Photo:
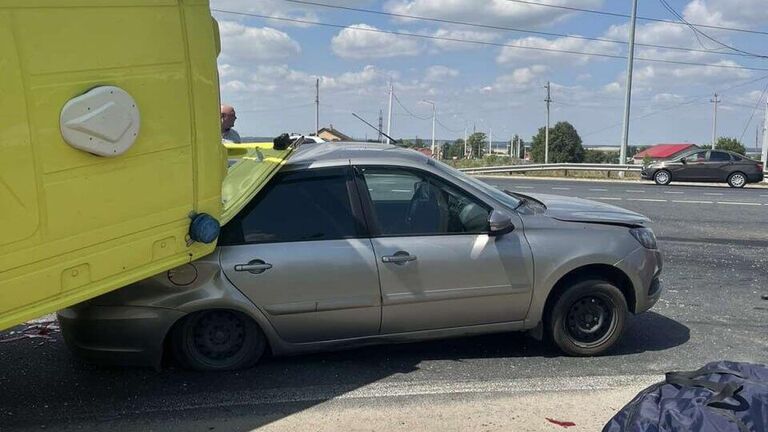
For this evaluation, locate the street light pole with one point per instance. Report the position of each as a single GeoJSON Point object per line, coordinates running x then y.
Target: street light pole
{"type": "Point", "coordinates": [548, 100]}
{"type": "Point", "coordinates": [715, 101]}
{"type": "Point", "coordinates": [628, 97]}
{"type": "Point", "coordinates": [434, 118]}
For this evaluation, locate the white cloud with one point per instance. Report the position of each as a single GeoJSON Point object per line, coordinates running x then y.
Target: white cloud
{"type": "Point", "coordinates": [489, 12]}
{"type": "Point", "coordinates": [537, 49]}
{"type": "Point", "coordinates": [359, 42]}
{"type": "Point", "coordinates": [479, 36]}
{"type": "Point", "coordinates": [520, 79]}
{"type": "Point", "coordinates": [440, 73]}
{"type": "Point", "coordinates": [727, 13]}
{"type": "Point", "coordinates": [242, 44]}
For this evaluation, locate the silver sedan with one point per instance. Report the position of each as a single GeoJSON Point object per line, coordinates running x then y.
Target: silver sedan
{"type": "Point", "coordinates": [353, 244]}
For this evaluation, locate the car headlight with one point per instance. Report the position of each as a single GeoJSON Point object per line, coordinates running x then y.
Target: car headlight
{"type": "Point", "coordinates": [645, 237]}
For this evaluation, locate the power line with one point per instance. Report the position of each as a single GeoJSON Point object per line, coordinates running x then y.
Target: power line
{"type": "Point", "coordinates": [475, 42]}
{"type": "Point", "coordinates": [754, 110]}
{"type": "Point", "coordinates": [407, 110]}
{"type": "Point", "coordinates": [511, 29]}
{"type": "Point", "coordinates": [620, 15]}
{"type": "Point", "coordinates": [697, 32]}
{"type": "Point", "coordinates": [447, 128]}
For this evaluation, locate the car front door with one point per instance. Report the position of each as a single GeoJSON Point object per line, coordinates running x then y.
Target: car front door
{"type": "Point", "coordinates": [438, 266]}
{"type": "Point", "coordinates": [718, 165]}
{"type": "Point", "coordinates": [301, 253]}
{"type": "Point", "coordinates": [694, 168]}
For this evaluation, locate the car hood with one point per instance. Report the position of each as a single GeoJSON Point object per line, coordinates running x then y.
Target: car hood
{"type": "Point", "coordinates": [581, 210]}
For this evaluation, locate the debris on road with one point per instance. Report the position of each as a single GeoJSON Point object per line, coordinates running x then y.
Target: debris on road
{"type": "Point", "coordinates": [36, 330]}
{"type": "Point", "coordinates": [565, 424]}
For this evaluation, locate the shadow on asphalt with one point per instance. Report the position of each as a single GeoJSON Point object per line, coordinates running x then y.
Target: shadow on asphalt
{"type": "Point", "coordinates": [63, 392]}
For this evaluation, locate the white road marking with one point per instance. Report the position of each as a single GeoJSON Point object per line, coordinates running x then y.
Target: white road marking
{"type": "Point", "coordinates": [738, 203]}
{"type": "Point", "coordinates": [525, 187]}
{"type": "Point", "coordinates": [646, 199]}
{"type": "Point", "coordinates": [560, 188]}
{"type": "Point", "coordinates": [764, 196]}
{"type": "Point", "coordinates": [634, 191]}
{"type": "Point", "coordinates": [693, 202]}
{"type": "Point", "coordinates": [710, 193]}
{"type": "Point", "coordinates": [598, 190]}
{"type": "Point", "coordinates": [605, 198]}
{"type": "Point", "coordinates": [674, 193]}
{"type": "Point", "coordinates": [402, 190]}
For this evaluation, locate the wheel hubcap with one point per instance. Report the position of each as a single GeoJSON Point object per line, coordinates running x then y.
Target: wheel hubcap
{"type": "Point", "coordinates": [662, 177]}
{"type": "Point", "coordinates": [219, 335]}
{"type": "Point", "coordinates": [738, 180]}
{"type": "Point", "coordinates": [590, 320]}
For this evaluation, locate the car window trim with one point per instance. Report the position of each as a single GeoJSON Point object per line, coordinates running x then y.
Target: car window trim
{"type": "Point", "coordinates": [368, 207]}
{"type": "Point", "coordinates": [362, 226]}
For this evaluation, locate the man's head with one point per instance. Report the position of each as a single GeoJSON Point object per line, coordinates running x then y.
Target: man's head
{"type": "Point", "coordinates": [228, 117]}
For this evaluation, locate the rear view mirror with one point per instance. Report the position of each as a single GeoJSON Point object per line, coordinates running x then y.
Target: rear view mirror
{"type": "Point", "coordinates": [500, 223]}
{"type": "Point", "coordinates": [683, 161]}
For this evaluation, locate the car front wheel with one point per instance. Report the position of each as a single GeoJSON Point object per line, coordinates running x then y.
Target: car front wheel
{"type": "Point", "coordinates": [217, 340]}
{"type": "Point", "coordinates": [588, 318]}
{"type": "Point", "coordinates": [662, 177]}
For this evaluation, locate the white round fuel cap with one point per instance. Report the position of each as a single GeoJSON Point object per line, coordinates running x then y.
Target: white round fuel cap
{"type": "Point", "coordinates": [104, 121]}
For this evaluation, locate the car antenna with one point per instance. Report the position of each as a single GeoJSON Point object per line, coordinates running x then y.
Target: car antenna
{"type": "Point", "coordinates": [377, 129]}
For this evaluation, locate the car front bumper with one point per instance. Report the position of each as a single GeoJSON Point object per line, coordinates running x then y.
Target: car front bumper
{"type": "Point", "coordinates": [643, 266]}
{"type": "Point", "coordinates": [123, 335]}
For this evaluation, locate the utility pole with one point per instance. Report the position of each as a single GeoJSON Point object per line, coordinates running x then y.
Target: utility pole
{"type": "Point", "coordinates": [548, 100]}
{"type": "Point", "coordinates": [465, 139]}
{"type": "Point", "coordinates": [381, 125]}
{"type": "Point", "coordinates": [389, 115]}
{"type": "Point", "coordinates": [715, 101]}
{"type": "Point", "coordinates": [765, 139]}
{"type": "Point", "coordinates": [434, 118]}
{"type": "Point", "coordinates": [628, 96]}
{"type": "Point", "coordinates": [317, 107]}
{"type": "Point", "coordinates": [490, 140]}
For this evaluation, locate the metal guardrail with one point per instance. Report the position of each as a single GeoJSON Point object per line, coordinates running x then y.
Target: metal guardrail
{"type": "Point", "coordinates": [553, 167]}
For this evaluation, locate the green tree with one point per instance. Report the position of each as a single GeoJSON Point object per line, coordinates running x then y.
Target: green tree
{"type": "Point", "coordinates": [729, 144]}
{"type": "Point", "coordinates": [454, 149]}
{"type": "Point", "coordinates": [564, 144]}
{"type": "Point", "coordinates": [478, 143]}
{"type": "Point", "coordinates": [419, 143]}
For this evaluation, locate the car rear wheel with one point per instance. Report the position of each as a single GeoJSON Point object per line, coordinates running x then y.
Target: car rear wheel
{"type": "Point", "coordinates": [588, 318]}
{"type": "Point", "coordinates": [662, 177]}
{"type": "Point", "coordinates": [737, 180]}
{"type": "Point", "coordinates": [217, 340]}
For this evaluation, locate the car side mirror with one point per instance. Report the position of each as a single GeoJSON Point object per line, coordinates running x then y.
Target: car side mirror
{"type": "Point", "coordinates": [500, 223]}
{"type": "Point", "coordinates": [683, 161]}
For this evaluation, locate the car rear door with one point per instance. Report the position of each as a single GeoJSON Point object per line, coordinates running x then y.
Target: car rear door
{"type": "Point", "coordinates": [300, 252]}
{"type": "Point", "coordinates": [718, 165]}
{"type": "Point", "coordinates": [438, 266]}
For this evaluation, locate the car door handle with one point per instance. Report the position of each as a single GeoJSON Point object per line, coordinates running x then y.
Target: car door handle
{"type": "Point", "coordinates": [398, 258]}
{"type": "Point", "coordinates": [255, 267]}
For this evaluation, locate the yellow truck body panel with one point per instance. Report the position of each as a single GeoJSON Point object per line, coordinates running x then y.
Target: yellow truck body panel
{"type": "Point", "coordinates": [74, 225]}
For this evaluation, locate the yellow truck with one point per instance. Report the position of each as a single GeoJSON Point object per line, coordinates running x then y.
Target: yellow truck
{"type": "Point", "coordinates": [110, 147]}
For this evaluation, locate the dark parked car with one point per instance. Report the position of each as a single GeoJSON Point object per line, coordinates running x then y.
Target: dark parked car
{"type": "Point", "coordinates": [706, 166]}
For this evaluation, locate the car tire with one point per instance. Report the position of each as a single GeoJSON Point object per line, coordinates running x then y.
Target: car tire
{"type": "Point", "coordinates": [217, 340]}
{"type": "Point", "coordinates": [662, 177]}
{"type": "Point", "coordinates": [737, 180]}
{"type": "Point", "coordinates": [588, 318]}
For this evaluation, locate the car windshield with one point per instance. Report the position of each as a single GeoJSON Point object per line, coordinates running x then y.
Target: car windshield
{"type": "Point", "coordinates": [497, 194]}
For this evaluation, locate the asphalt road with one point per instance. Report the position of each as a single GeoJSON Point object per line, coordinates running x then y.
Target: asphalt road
{"type": "Point", "coordinates": [716, 268]}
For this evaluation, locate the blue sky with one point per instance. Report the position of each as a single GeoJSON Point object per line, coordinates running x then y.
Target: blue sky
{"type": "Point", "coordinates": [268, 68]}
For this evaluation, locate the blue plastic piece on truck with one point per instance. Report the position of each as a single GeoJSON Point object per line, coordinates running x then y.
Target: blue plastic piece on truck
{"type": "Point", "coordinates": [204, 228]}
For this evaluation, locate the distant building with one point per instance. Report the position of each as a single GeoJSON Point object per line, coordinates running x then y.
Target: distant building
{"type": "Point", "coordinates": [663, 152]}
{"type": "Point", "coordinates": [331, 134]}
{"type": "Point", "coordinates": [424, 150]}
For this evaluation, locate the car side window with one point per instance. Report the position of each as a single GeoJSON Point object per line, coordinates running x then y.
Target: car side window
{"type": "Point", "coordinates": [407, 202]}
{"type": "Point", "coordinates": [298, 206]}
{"type": "Point", "coordinates": [696, 157]}
{"type": "Point", "coordinates": [718, 156]}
